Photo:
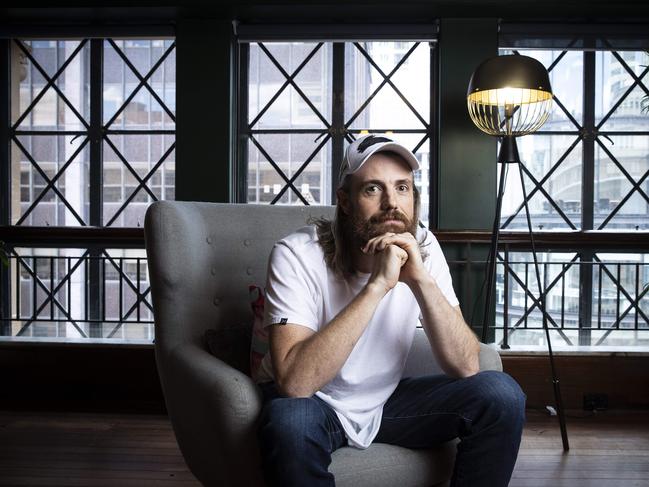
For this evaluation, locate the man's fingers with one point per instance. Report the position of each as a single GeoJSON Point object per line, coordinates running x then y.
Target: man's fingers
{"type": "Point", "coordinates": [379, 243]}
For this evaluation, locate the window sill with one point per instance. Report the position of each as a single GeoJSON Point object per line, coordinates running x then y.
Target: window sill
{"type": "Point", "coordinates": [575, 351]}
{"type": "Point", "coordinates": [74, 343]}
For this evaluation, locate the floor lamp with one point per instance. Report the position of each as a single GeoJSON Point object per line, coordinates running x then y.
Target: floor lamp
{"type": "Point", "coordinates": [510, 96]}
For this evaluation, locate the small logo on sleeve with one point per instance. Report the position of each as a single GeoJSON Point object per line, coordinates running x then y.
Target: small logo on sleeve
{"type": "Point", "coordinates": [283, 321]}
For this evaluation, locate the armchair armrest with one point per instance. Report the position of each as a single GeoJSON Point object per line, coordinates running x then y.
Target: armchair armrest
{"type": "Point", "coordinates": [214, 409]}
{"type": "Point", "coordinates": [490, 358]}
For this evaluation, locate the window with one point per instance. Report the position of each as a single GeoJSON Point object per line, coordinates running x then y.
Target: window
{"type": "Point", "coordinates": [586, 169]}
{"type": "Point", "coordinates": [305, 101]}
{"type": "Point", "coordinates": [92, 141]}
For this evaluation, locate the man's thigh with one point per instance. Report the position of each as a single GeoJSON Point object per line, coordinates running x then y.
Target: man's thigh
{"type": "Point", "coordinates": [426, 411]}
{"type": "Point", "coordinates": [295, 420]}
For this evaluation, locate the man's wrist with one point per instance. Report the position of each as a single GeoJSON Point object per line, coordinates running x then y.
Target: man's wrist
{"type": "Point", "coordinates": [424, 284]}
{"type": "Point", "coordinates": [422, 281]}
{"type": "Point", "coordinates": [376, 289]}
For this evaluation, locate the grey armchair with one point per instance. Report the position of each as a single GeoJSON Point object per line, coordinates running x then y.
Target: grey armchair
{"type": "Point", "coordinates": [202, 257]}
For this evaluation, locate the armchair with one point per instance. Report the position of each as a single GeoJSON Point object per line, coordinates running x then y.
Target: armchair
{"type": "Point", "coordinates": [202, 257]}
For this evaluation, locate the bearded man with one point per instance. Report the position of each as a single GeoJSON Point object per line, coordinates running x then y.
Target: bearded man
{"type": "Point", "coordinates": [343, 300]}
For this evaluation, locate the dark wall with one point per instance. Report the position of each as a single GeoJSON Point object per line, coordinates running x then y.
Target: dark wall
{"type": "Point", "coordinates": [203, 93]}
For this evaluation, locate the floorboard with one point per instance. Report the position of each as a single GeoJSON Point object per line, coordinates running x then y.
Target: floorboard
{"type": "Point", "coordinates": [607, 449]}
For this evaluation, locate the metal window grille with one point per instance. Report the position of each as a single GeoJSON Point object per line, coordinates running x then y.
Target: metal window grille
{"type": "Point", "coordinates": [303, 101]}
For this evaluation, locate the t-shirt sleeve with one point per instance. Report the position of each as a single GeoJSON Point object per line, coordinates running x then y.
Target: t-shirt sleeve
{"type": "Point", "coordinates": [438, 268]}
{"type": "Point", "coordinates": [290, 296]}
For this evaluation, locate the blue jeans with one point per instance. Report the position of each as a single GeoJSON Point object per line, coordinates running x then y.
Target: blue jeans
{"type": "Point", "coordinates": [486, 411]}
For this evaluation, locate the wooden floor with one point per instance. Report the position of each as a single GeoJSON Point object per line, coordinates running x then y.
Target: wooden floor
{"type": "Point", "coordinates": [65, 449]}
{"type": "Point", "coordinates": [607, 449]}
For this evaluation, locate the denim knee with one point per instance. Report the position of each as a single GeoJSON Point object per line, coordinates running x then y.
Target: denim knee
{"type": "Point", "coordinates": [499, 391]}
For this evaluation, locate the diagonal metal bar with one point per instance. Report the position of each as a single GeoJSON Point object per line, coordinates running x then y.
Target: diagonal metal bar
{"type": "Point", "coordinates": [566, 112]}
{"type": "Point", "coordinates": [301, 168]}
{"type": "Point", "coordinates": [140, 185]}
{"type": "Point", "coordinates": [143, 81]}
{"type": "Point", "coordinates": [636, 185]}
{"type": "Point", "coordinates": [549, 287]}
{"type": "Point", "coordinates": [621, 203]}
{"type": "Point", "coordinates": [277, 168]}
{"type": "Point", "coordinates": [544, 179]}
{"type": "Point", "coordinates": [50, 183]}
{"type": "Point", "coordinates": [389, 80]}
{"type": "Point", "coordinates": [140, 299]}
{"type": "Point", "coordinates": [535, 302]}
{"type": "Point", "coordinates": [286, 84]}
{"type": "Point", "coordinates": [115, 329]}
{"type": "Point", "coordinates": [556, 61]}
{"type": "Point", "coordinates": [51, 81]}
{"type": "Point", "coordinates": [290, 79]}
{"type": "Point", "coordinates": [378, 88]}
{"type": "Point", "coordinates": [51, 296]}
{"type": "Point", "coordinates": [615, 325]}
{"type": "Point", "coordinates": [630, 71]}
{"type": "Point", "coordinates": [522, 320]}
{"type": "Point", "coordinates": [620, 100]}
{"type": "Point", "coordinates": [618, 284]}
{"type": "Point", "coordinates": [128, 166]}
{"type": "Point", "coordinates": [421, 142]}
{"type": "Point", "coordinates": [547, 195]}
{"type": "Point", "coordinates": [125, 277]}
{"type": "Point", "coordinates": [559, 57]}
{"type": "Point", "coordinates": [123, 320]}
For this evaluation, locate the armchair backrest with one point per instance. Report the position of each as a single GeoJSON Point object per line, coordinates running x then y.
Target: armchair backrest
{"type": "Point", "coordinates": [203, 256]}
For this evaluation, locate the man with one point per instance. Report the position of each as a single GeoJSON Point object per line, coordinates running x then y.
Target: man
{"type": "Point", "coordinates": [343, 301]}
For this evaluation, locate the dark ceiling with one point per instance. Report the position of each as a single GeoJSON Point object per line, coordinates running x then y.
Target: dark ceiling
{"type": "Point", "coordinates": [335, 11]}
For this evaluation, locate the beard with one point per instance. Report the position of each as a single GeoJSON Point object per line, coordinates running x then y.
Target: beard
{"type": "Point", "coordinates": [379, 223]}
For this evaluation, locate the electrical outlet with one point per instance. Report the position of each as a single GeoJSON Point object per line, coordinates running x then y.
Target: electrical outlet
{"type": "Point", "coordinates": [595, 402]}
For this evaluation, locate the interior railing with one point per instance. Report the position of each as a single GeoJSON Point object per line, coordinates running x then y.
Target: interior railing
{"type": "Point", "coordinates": [92, 283]}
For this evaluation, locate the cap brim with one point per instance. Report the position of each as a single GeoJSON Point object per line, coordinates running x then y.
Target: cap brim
{"type": "Point", "coordinates": [397, 148]}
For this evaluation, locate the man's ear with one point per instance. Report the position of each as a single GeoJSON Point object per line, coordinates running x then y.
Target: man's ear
{"type": "Point", "coordinates": [343, 200]}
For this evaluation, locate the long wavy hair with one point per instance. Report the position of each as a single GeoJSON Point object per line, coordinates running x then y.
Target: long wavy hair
{"type": "Point", "coordinates": [336, 237]}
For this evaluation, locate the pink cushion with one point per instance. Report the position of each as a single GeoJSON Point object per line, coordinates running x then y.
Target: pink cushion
{"type": "Point", "coordinates": [259, 342]}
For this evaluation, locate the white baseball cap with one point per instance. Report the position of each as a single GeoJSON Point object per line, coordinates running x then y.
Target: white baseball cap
{"type": "Point", "coordinates": [364, 147]}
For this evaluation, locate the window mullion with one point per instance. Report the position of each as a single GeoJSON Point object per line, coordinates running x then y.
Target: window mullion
{"type": "Point", "coordinates": [5, 177]}
{"type": "Point", "coordinates": [587, 197]}
{"type": "Point", "coordinates": [433, 141]}
{"type": "Point", "coordinates": [95, 194]}
{"type": "Point", "coordinates": [96, 131]}
{"type": "Point", "coordinates": [337, 115]}
{"type": "Point", "coordinates": [588, 169]}
{"type": "Point", "coordinates": [239, 178]}
{"type": "Point", "coordinates": [5, 131]}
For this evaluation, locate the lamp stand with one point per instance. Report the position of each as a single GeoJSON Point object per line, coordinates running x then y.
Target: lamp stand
{"type": "Point", "coordinates": [509, 155]}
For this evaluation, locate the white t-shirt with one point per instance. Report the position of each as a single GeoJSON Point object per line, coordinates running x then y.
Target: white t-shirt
{"type": "Point", "coordinates": [302, 290]}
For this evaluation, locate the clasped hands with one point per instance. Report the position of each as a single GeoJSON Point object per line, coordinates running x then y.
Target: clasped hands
{"type": "Point", "coordinates": [396, 259]}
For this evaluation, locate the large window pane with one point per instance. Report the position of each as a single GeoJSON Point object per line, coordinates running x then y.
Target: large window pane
{"type": "Point", "coordinates": [290, 112]}
{"type": "Point", "coordinates": [621, 163]}
{"type": "Point", "coordinates": [554, 159]}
